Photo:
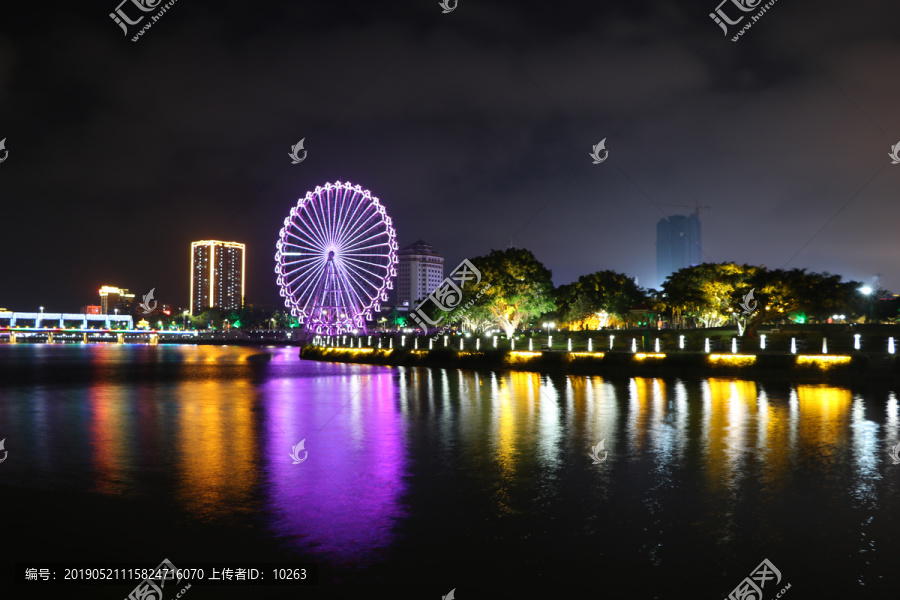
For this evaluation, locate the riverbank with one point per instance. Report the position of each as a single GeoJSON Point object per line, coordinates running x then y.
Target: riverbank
{"type": "Point", "coordinates": [801, 367]}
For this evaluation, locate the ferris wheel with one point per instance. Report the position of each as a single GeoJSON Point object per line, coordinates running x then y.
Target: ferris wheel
{"type": "Point", "coordinates": [335, 259]}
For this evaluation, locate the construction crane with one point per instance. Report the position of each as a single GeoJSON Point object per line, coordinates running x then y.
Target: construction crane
{"type": "Point", "coordinates": [696, 207]}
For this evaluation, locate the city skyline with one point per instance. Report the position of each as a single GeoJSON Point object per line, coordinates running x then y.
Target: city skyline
{"type": "Point", "coordinates": [490, 148]}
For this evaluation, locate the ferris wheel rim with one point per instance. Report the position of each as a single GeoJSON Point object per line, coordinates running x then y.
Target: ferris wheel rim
{"type": "Point", "coordinates": [346, 227]}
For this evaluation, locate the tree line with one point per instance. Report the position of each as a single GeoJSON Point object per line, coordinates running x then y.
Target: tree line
{"type": "Point", "coordinates": [522, 295]}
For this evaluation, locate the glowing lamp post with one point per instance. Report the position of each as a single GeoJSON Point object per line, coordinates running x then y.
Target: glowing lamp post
{"type": "Point", "coordinates": [633, 345]}
{"type": "Point", "coordinates": [681, 342]}
{"type": "Point", "coordinates": [570, 344]}
{"type": "Point", "coordinates": [824, 345]}
{"type": "Point", "coordinates": [611, 338]}
{"type": "Point", "coordinates": [865, 291]}
{"type": "Point", "coordinates": [762, 342]}
{"type": "Point", "coordinates": [793, 345]}
{"type": "Point", "coordinates": [656, 346]}
{"type": "Point", "coordinates": [706, 346]}
{"type": "Point", "coordinates": [590, 345]}
{"type": "Point", "coordinates": [856, 338]}
{"type": "Point", "coordinates": [890, 345]}
{"type": "Point", "coordinates": [734, 345]}
{"type": "Point", "coordinates": [530, 346]}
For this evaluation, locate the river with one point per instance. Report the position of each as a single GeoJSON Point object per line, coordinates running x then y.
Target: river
{"type": "Point", "coordinates": [412, 482]}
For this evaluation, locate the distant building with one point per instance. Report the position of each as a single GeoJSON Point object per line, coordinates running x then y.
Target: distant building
{"type": "Point", "coordinates": [114, 299]}
{"type": "Point", "coordinates": [677, 245]}
{"type": "Point", "coordinates": [217, 275]}
{"type": "Point", "coordinates": [420, 270]}
{"type": "Point", "coordinates": [92, 309]}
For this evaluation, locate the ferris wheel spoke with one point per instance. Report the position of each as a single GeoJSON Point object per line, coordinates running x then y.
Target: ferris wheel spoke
{"type": "Point", "coordinates": [367, 267]}
{"type": "Point", "coordinates": [322, 220]}
{"type": "Point", "coordinates": [299, 278]}
{"type": "Point", "coordinates": [341, 220]}
{"type": "Point", "coordinates": [300, 247]}
{"type": "Point", "coordinates": [364, 236]}
{"type": "Point", "coordinates": [306, 220]}
{"type": "Point", "coordinates": [365, 279]}
{"type": "Point", "coordinates": [316, 224]}
{"type": "Point", "coordinates": [356, 212]}
{"type": "Point", "coordinates": [337, 213]}
{"type": "Point", "coordinates": [362, 251]}
{"type": "Point", "coordinates": [354, 295]}
{"type": "Point", "coordinates": [309, 276]}
{"type": "Point", "coordinates": [310, 235]}
{"type": "Point", "coordinates": [365, 285]}
{"type": "Point", "coordinates": [371, 231]}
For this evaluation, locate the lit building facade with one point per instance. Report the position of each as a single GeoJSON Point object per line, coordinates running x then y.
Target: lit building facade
{"type": "Point", "coordinates": [217, 275]}
{"type": "Point", "coordinates": [420, 270]}
{"type": "Point", "coordinates": [113, 298]}
{"type": "Point", "coordinates": [677, 245]}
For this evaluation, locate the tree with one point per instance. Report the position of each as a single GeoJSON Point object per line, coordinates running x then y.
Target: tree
{"type": "Point", "coordinates": [595, 299]}
{"type": "Point", "coordinates": [705, 292]}
{"type": "Point", "coordinates": [521, 288]}
{"type": "Point", "coordinates": [778, 293]}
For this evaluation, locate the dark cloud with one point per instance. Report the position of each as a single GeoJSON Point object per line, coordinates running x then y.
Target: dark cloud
{"type": "Point", "coordinates": [472, 128]}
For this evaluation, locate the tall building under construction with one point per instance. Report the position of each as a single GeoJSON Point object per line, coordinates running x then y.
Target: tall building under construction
{"type": "Point", "coordinates": [677, 245]}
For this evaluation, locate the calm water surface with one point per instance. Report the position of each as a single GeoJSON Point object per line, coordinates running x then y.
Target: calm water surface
{"type": "Point", "coordinates": [418, 481]}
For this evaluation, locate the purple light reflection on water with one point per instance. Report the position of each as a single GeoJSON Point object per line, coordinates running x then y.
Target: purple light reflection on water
{"type": "Point", "coordinates": [344, 499]}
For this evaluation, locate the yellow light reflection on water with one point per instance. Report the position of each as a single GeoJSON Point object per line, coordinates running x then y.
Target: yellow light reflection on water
{"type": "Point", "coordinates": [824, 417]}
{"type": "Point", "coordinates": [108, 430]}
{"type": "Point", "coordinates": [217, 456]}
{"type": "Point", "coordinates": [646, 410]}
{"type": "Point", "coordinates": [728, 407]}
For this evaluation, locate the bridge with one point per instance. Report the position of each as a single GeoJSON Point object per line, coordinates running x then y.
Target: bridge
{"type": "Point", "coordinates": [61, 318]}
{"type": "Point", "coordinates": [14, 331]}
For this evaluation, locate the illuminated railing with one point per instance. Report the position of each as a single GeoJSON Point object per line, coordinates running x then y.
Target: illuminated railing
{"type": "Point", "coordinates": [735, 360]}
{"type": "Point", "coordinates": [646, 355]}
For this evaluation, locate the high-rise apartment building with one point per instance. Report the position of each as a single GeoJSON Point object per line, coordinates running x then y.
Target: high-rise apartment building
{"type": "Point", "coordinates": [114, 299]}
{"type": "Point", "coordinates": [217, 275]}
{"type": "Point", "coordinates": [419, 271]}
{"type": "Point", "coordinates": [677, 245]}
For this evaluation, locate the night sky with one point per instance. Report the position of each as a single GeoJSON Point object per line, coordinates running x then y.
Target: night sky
{"type": "Point", "coordinates": [473, 128]}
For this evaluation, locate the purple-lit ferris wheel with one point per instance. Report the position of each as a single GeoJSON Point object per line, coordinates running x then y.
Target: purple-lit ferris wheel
{"type": "Point", "coordinates": [335, 259]}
